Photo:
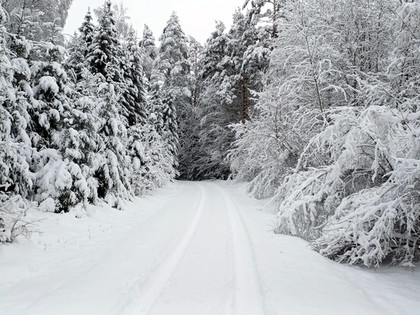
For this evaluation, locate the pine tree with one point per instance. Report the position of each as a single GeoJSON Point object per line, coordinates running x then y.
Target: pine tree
{"type": "Point", "coordinates": [104, 53]}
{"type": "Point", "coordinates": [15, 177]}
{"type": "Point", "coordinates": [16, 180]}
{"type": "Point", "coordinates": [215, 109]}
{"type": "Point", "coordinates": [112, 169]}
{"type": "Point", "coordinates": [173, 63]}
{"type": "Point", "coordinates": [134, 96]}
{"type": "Point", "coordinates": [78, 48]}
{"type": "Point", "coordinates": [148, 51]}
{"type": "Point", "coordinates": [266, 12]}
{"type": "Point", "coordinates": [190, 144]}
{"type": "Point", "coordinates": [107, 64]}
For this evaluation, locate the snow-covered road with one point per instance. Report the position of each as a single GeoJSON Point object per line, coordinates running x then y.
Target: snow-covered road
{"type": "Point", "coordinates": [191, 248]}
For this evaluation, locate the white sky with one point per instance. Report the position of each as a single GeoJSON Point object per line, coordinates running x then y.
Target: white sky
{"type": "Point", "coordinates": [197, 17]}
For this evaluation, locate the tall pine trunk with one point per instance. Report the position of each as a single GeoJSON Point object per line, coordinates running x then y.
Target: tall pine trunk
{"type": "Point", "coordinates": [245, 99]}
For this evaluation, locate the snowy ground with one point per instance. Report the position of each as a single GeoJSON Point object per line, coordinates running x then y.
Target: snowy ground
{"type": "Point", "coordinates": [190, 248]}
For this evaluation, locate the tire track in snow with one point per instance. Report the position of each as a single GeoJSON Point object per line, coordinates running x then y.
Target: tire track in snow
{"type": "Point", "coordinates": [248, 296]}
{"type": "Point", "coordinates": [164, 272]}
{"type": "Point", "coordinates": [42, 297]}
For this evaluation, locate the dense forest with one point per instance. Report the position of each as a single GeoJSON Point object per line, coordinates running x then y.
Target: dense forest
{"type": "Point", "coordinates": [315, 103]}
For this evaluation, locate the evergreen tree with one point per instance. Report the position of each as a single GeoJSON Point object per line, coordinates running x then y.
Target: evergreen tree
{"type": "Point", "coordinates": [104, 53]}
{"type": "Point", "coordinates": [148, 51]}
{"type": "Point", "coordinates": [78, 48]}
{"type": "Point", "coordinates": [16, 180]}
{"type": "Point", "coordinates": [134, 96]}
{"type": "Point", "coordinates": [216, 108]}
{"type": "Point", "coordinates": [190, 143]}
{"type": "Point", "coordinates": [113, 167]}
{"type": "Point", "coordinates": [15, 177]}
{"type": "Point", "coordinates": [267, 12]}
{"type": "Point", "coordinates": [173, 63]}
{"type": "Point", "coordinates": [111, 72]}
{"type": "Point", "coordinates": [233, 66]}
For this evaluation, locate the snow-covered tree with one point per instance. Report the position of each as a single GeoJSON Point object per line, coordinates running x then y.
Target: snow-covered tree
{"type": "Point", "coordinates": [267, 12]}
{"type": "Point", "coordinates": [105, 53]}
{"type": "Point", "coordinates": [173, 64]}
{"type": "Point", "coordinates": [233, 65]}
{"type": "Point", "coordinates": [148, 51]}
{"type": "Point", "coordinates": [78, 48]}
{"type": "Point", "coordinates": [333, 137]}
{"type": "Point", "coordinates": [34, 19]}
{"type": "Point", "coordinates": [16, 180]}
{"type": "Point", "coordinates": [112, 170]}
{"type": "Point", "coordinates": [122, 20]}
{"type": "Point", "coordinates": [216, 109]}
{"type": "Point", "coordinates": [135, 85]}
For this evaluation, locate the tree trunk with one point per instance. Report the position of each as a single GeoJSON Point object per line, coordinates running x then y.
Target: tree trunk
{"type": "Point", "coordinates": [245, 100]}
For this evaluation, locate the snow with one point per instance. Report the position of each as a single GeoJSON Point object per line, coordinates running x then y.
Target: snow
{"type": "Point", "coordinates": [48, 83]}
{"type": "Point", "coordinates": [189, 248]}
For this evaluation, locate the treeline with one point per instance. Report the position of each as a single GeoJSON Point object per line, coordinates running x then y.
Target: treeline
{"type": "Point", "coordinates": [109, 117]}
{"type": "Point", "coordinates": [81, 125]}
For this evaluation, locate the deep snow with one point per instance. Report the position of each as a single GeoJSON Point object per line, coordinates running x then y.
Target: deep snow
{"type": "Point", "coordinates": [190, 248]}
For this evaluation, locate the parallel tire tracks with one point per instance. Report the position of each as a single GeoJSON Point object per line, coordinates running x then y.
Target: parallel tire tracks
{"type": "Point", "coordinates": [248, 296]}
{"type": "Point", "coordinates": [164, 272]}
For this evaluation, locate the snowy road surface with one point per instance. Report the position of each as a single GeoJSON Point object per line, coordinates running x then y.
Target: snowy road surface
{"type": "Point", "coordinates": [190, 248]}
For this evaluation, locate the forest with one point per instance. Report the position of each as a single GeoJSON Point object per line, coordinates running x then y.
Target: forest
{"type": "Point", "coordinates": [314, 103]}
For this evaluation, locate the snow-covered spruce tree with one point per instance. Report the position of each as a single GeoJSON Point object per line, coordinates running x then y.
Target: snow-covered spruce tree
{"type": "Point", "coordinates": [195, 53]}
{"type": "Point", "coordinates": [173, 63]}
{"type": "Point", "coordinates": [249, 56]}
{"type": "Point", "coordinates": [161, 153]}
{"type": "Point", "coordinates": [134, 82]}
{"type": "Point", "coordinates": [233, 65]}
{"type": "Point", "coordinates": [113, 166]}
{"type": "Point", "coordinates": [267, 12]}
{"type": "Point", "coordinates": [56, 160]}
{"type": "Point", "coordinates": [78, 48]}
{"type": "Point", "coordinates": [148, 51]}
{"type": "Point", "coordinates": [160, 165]}
{"type": "Point", "coordinates": [20, 109]}
{"type": "Point", "coordinates": [135, 102]}
{"type": "Point", "coordinates": [215, 108]}
{"type": "Point", "coordinates": [191, 122]}
{"type": "Point", "coordinates": [120, 17]}
{"type": "Point", "coordinates": [15, 178]}
{"type": "Point", "coordinates": [104, 54]}
{"type": "Point", "coordinates": [105, 59]}
{"type": "Point", "coordinates": [85, 99]}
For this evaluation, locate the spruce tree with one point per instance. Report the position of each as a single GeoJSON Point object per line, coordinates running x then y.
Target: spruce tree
{"type": "Point", "coordinates": [217, 107]}
{"type": "Point", "coordinates": [106, 62]}
{"type": "Point", "coordinates": [78, 48]}
{"type": "Point", "coordinates": [15, 177]}
{"type": "Point", "coordinates": [104, 53]}
{"type": "Point", "coordinates": [134, 94]}
{"type": "Point", "coordinates": [173, 63]}
{"type": "Point", "coordinates": [148, 51]}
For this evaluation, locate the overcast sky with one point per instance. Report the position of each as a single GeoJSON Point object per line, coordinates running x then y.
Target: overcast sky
{"type": "Point", "coordinates": [197, 16]}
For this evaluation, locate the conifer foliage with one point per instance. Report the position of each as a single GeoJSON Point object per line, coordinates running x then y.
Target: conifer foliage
{"type": "Point", "coordinates": [77, 126]}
